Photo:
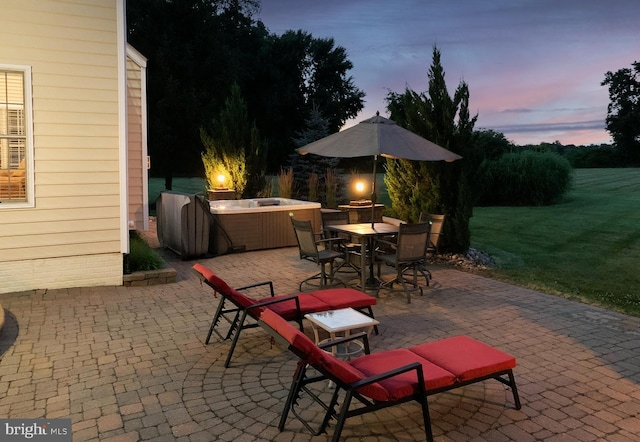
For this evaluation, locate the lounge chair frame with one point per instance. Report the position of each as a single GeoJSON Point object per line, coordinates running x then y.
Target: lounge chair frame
{"type": "Point", "coordinates": [235, 307]}
{"type": "Point", "coordinates": [297, 343]}
{"type": "Point", "coordinates": [301, 380]}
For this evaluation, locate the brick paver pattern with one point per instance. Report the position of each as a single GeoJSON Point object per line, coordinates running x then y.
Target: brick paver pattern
{"type": "Point", "coordinates": [130, 364]}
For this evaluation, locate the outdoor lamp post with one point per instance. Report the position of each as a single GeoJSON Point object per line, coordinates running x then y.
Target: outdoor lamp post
{"type": "Point", "coordinates": [221, 179]}
{"type": "Point", "coordinates": [220, 191]}
{"type": "Point", "coordinates": [359, 187]}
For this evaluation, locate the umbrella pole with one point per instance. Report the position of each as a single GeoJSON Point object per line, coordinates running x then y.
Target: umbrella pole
{"type": "Point", "coordinates": [373, 192]}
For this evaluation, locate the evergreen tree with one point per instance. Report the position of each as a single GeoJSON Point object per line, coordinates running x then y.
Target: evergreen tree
{"type": "Point", "coordinates": [420, 187]}
{"type": "Point", "coordinates": [316, 127]}
{"type": "Point", "coordinates": [234, 149]}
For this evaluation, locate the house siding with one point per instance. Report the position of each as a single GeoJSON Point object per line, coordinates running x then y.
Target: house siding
{"type": "Point", "coordinates": [72, 237]}
{"type": "Point", "coordinates": [138, 204]}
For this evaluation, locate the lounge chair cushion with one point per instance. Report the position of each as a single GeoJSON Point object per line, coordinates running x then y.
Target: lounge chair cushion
{"type": "Point", "coordinates": [218, 284]}
{"type": "Point", "coordinates": [222, 287]}
{"type": "Point", "coordinates": [309, 352]}
{"type": "Point", "coordinates": [304, 347]}
{"type": "Point", "coordinates": [465, 357]}
{"type": "Point", "coordinates": [348, 374]}
{"type": "Point", "coordinates": [405, 384]}
{"type": "Point", "coordinates": [295, 337]}
{"type": "Point", "coordinates": [287, 309]}
{"type": "Point", "coordinates": [344, 298]}
{"type": "Point", "coordinates": [319, 301]}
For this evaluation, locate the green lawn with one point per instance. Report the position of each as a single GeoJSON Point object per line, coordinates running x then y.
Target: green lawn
{"type": "Point", "coordinates": [186, 185]}
{"type": "Point", "coordinates": [587, 247]}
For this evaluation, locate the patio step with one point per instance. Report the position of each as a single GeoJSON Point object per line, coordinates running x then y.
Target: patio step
{"type": "Point", "coordinates": [150, 277]}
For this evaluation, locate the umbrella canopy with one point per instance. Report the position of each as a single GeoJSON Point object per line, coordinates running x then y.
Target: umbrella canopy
{"type": "Point", "coordinates": [378, 136]}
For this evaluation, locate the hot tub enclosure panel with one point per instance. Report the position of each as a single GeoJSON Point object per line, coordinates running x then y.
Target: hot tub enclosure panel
{"type": "Point", "coordinates": [183, 223]}
{"type": "Point", "coordinates": [260, 230]}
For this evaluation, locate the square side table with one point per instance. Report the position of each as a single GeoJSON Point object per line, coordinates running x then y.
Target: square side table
{"type": "Point", "coordinates": [340, 323]}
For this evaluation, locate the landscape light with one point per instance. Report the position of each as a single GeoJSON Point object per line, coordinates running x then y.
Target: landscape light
{"type": "Point", "coordinates": [221, 179]}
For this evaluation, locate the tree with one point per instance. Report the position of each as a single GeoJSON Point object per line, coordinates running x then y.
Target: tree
{"type": "Point", "coordinates": [297, 74]}
{"type": "Point", "coordinates": [316, 127]}
{"type": "Point", "coordinates": [303, 166]}
{"type": "Point", "coordinates": [197, 49]}
{"type": "Point", "coordinates": [623, 116]}
{"type": "Point", "coordinates": [234, 150]}
{"type": "Point", "coordinates": [490, 144]}
{"type": "Point", "coordinates": [417, 187]}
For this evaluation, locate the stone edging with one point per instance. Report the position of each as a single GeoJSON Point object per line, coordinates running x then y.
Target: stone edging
{"type": "Point", "coordinates": [150, 277]}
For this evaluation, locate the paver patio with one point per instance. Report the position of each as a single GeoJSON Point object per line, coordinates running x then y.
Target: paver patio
{"type": "Point", "coordinates": [128, 364]}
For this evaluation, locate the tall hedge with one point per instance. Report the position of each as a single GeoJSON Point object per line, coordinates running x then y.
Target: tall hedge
{"type": "Point", "coordinates": [525, 178]}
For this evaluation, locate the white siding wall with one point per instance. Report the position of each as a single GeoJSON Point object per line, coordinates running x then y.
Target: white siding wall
{"type": "Point", "coordinates": [72, 236]}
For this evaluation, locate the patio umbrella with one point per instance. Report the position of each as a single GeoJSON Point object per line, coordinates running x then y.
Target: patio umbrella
{"type": "Point", "coordinates": [378, 136]}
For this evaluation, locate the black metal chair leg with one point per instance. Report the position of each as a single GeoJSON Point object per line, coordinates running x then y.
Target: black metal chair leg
{"type": "Point", "coordinates": [426, 417]}
{"type": "Point", "coordinates": [296, 387]}
{"type": "Point", "coordinates": [216, 319]}
{"type": "Point", "coordinates": [235, 338]}
{"type": "Point", "coordinates": [514, 390]}
{"type": "Point", "coordinates": [342, 417]}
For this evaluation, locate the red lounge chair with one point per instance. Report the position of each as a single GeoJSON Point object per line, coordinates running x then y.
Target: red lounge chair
{"type": "Point", "coordinates": [387, 378]}
{"type": "Point", "coordinates": [291, 307]}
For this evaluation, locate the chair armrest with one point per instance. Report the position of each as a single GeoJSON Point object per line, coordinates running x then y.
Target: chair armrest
{"type": "Point", "coordinates": [258, 284]}
{"type": "Point", "coordinates": [329, 240]}
{"type": "Point", "coordinates": [386, 243]}
{"type": "Point", "coordinates": [417, 366]}
{"type": "Point", "coordinates": [384, 247]}
{"type": "Point", "coordinates": [268, 301]}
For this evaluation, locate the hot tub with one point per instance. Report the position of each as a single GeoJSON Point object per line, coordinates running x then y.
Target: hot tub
{"type": "Point", "coordinates": [259, 223]}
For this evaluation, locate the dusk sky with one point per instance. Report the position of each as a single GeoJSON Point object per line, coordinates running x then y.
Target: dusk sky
{"type": "Point", "coordinates": [533, 67]}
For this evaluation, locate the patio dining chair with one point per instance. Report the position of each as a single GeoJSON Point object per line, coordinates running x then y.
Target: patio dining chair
{"type": "Point", "coordinates": [333, 218]}
{"type": "Point", "coordinates": [310, 250]}
{"type": "Point", "coordinates": [344, 243]}
{"type": "Point", "coordinates": [410, 250]}
{"type": "Point", "coordinates": [436, 222]}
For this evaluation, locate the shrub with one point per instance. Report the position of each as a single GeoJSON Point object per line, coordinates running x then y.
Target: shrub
{"type": "Point", "coordinates": [313, 183]}
{"type": "Point", "coordinates": [141, 256]}
{"type": "Point", "coordinates": [524, 178]}
{"type": "Point", "coordinates": [267, 190]}
{"type": "Point", "coordinates": [331, 181]}
{"type": "Point", "coordinates": [285, 183]}
{"type": "Point", "coordinates": [592, 156]}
